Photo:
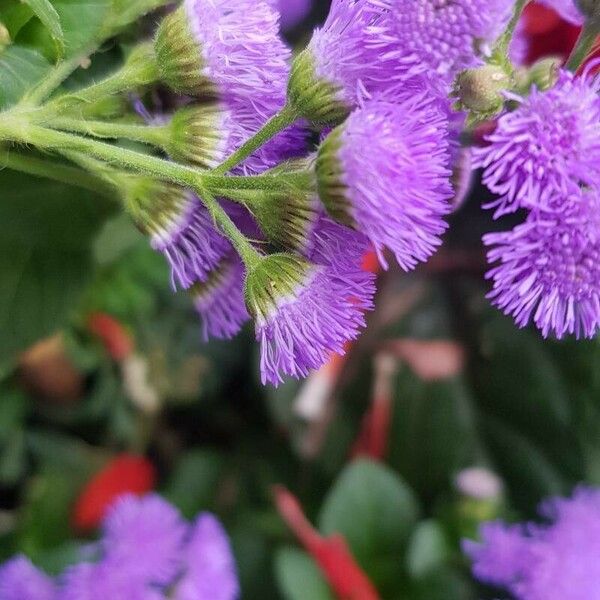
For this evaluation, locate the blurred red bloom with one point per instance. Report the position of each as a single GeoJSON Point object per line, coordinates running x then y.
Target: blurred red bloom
{"type": "Point", "coordinates": [113, 335]}
{"type": "Point", "coordinates": [126, 473]}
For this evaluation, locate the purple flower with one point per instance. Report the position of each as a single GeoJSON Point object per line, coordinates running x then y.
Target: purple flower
{"type": "Point", "coordinates": [384, 171]}
{"type": "Point", "coordinates": [303, 314]}
{"type": "Point", "coordinates": [292, 11]}
{"type": "Point", "coordinates": [446, 37]}
{"type": "Point", "coordinates": [543, 151]}
{"type": "Point", "coordinates": [20, 580]}
{"type": "Point", "coordinates": [211, 571]}
{"type": "Point", "coordinates": [567, 9]}
{"type": "Point", "coordinates": [105, 580]}
{"type": "Point", "coordinates": [150, 523]}
{"type": "Point", "coordinates": [555, 561]}
{"type": "Point", "coordinates": [346, 60]}
{"type": "Point", "coordinates": [342, 250]}
{"type": "Point", "coordinates": [183, 230]}
{"type": "Point", "coordinates": [220, 300]}
{"type": "Point", "coordinates": [549, 270]}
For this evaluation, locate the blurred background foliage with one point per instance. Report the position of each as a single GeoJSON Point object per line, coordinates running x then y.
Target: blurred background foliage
{"type": "Point", "coordinates": [99, 360]}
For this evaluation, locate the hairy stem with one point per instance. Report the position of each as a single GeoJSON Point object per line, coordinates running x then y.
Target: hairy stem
{"type": "Point", "coordinates": [584, 44]}
{"type": "Point", "coordinates": [503, 43]}
{"type": "Point", "coordinates": [48, 169]}
{"type": "Point", "coordinates": [152, 135]}
{"type": "Point", "coordinates": [284, 118]}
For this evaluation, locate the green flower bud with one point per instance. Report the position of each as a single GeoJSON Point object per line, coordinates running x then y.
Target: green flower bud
{"type": "Point", "coordinates": [543, 74]}
{"type": "Point", "coordinates": [479, 90]}
{"type": "Point", "coordinates": [313, 98]}
{"type": "Point", "coordinates": [4, 36]}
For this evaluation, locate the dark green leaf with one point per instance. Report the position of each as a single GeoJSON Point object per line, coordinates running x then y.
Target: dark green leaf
{"type": "Point", "coordinates": [47, 14]}
{"type": "Point", "coordinates": [20, 68]}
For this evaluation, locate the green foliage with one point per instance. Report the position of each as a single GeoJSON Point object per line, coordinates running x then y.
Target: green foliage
{"type": "Point", "coordinates": [298, 577]}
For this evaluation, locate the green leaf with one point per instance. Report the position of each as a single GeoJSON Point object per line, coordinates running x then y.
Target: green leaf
{"type": "Point", "coordinates": [298, 577]}
{"type": "Point", "coordinates": [428, 549]}
{"type": "Point", "coordinates": [375, 511]}
{"type": "Point", "coordinates": [46, 231]}
{"type": "Point", "coordinates": [20, 68]}
{"type": "Point", "coordinates": [14, 14]}
{"type": "Point", "coordinates": [47, 14]}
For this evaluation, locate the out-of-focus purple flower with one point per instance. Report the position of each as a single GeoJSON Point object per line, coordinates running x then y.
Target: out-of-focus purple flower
{"type": "Point", "coordinates": [548, 270]}
{"type": "Point", "coordinates": [185, 233]}
{"type": "Point", "coordinates": [479, 483]}
{"type": "Point", "coordinates": [342, 250]}
{"type": "Point", "coordinates": [210, 566]}
{"type": "Point", "coordinates": [555, 561]}
{"type": "Point", "coordinates": [303, 314]}
{"type": "Point", "coordinates": [567, 9]}
{"type": "Point", "coordinates": [542, 152]}
{"type": "Point", "coordinates": [347, 60]}
{"type": "Point", "coordinates": [392, 185]}
{"type": "Point", "coordinates": [292, 11]}
{"type": "Point", "coordinates": [20, 580]}
{"type": "Point", "coordinates": [220, 300]}
{"type": "Point", "coordinates": [104, 580]}
{"type": "Point", "coordinates": [445, 36]}
{"type": "Point", "coordinates": [149, 523]}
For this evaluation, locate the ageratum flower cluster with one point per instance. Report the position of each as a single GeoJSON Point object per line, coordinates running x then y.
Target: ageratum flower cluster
{"type": "Point", "coordinates": [376, 79]}
{"type": "Point", "coordinates": [553, 561]}
{"type": "Point", "coordinates": [147, 552]}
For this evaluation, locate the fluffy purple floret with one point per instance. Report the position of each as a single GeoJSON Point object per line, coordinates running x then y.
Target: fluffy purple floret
{"type": "Point", "coordinates": [342, 250]}
{"type": "Point", "coordinates": [446, 35]}
{"type": "Point", "coordinates": [351, 52]}
{"type": "Point", "coordinates": [548, 270]}
{"type": "Point", "coordinates": [211, 571]}
{"type": "Point", "coordinates": [303, 330]}
{"type": "Point", "coordinates": [555, 561]}
{"type": "Point", "coordinates": [190, 242]}
{"type": "Point", "coordinates": [105, 580]}
{"type": "Point", "coordinates": [543, 151]}
{"type": "Point", "coordinates": [220, 301]}
{"type": "Point", "coordinates": [397, 181]}
{"type": "Point", "coordinates": [20, 580]}
{"type": "Point", "coordinates": [567, 9]}
{"type": "Point", "coordinates": [149, 523]}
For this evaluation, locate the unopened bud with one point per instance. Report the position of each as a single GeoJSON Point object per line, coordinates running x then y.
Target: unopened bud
{"type": "Point", "coordinates": [480, 90]}
{"type": "Point", "coordinates": [4, 37]}
{"type": "Point", "coordinates": [542, 74]}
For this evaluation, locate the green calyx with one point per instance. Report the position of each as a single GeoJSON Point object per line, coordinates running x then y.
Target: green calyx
{"type": "Point", "coordinates": [152, 204]}
{"type": "Point", "coordinates": [542, 74]}
{"type": "Point", "coordinates": [312, 97]}
{"type": "Point", "coordinates": [196, 136]}
{"type": "Point", "coordinates": [479, 91]}
{"type": "Point", "coordinates": [271, 280]}
{"type": "Point", "coordinates": [180, 57]}
{"type": "Point", "coordinates": [330, 179]}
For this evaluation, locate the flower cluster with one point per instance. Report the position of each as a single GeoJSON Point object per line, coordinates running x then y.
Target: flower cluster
{"type": "Point", "coordinates": [147, 552]}
{"type": "Point", "coordinates": [544, 157]}
{"type": "Point", "coordinates": [553, 561]}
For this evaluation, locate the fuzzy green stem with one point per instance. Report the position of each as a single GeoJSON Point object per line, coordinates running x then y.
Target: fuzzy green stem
{"type": "Point", "coordinates": [146, 134]}
{"type": "Point", "coordinates": [584, 44]}
{"type": "Point", "coordinates": [284, 118]}
{"type": "Point", "coordinates": [503, 43]}
{"type": "Point", "coordinates": [39, 167]}
{"type": "Point", "coordinates": [243, 247]}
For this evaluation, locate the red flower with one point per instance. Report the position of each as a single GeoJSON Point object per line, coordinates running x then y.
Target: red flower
{"type": "Point", "coordinates": [332, 555]}
{"type": "Point", "coordinates": [126, 473]}
{"type": "Point", "coordinates": [116, 339]}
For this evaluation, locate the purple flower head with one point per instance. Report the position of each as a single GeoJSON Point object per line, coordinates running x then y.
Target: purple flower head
{"type": "Point", "coordinates": [567, 9]}
{"type": "Point", "coordinates": [342, 250]}
{"type": "Point", "coordinates": [555, 561]}
{"type": "Point", "coordinates": [105, 580]}
{"type": "Point", "coordinates": [384, 171]}
{"type": "Point", "coordinates": [179, 227]}
{"type": "Point", "coordinates": [345, 62]}
{"type": "Point", "coordinates": [211, 572]}
{"type": "Point", "coordinates": [446, 36]}
{"type": "Point", "coordinates": [543, 151]}
{"type": "Point", "coordinates": [144, 537]}
{"type": "Point", "coordinates": [220, 300]}
{"type": "Point", "coordinates": [20, 580]}
{"type": "Point", "coordinates": [303, 314]}
{"type": "Point", "coordinates": [548, 270]}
